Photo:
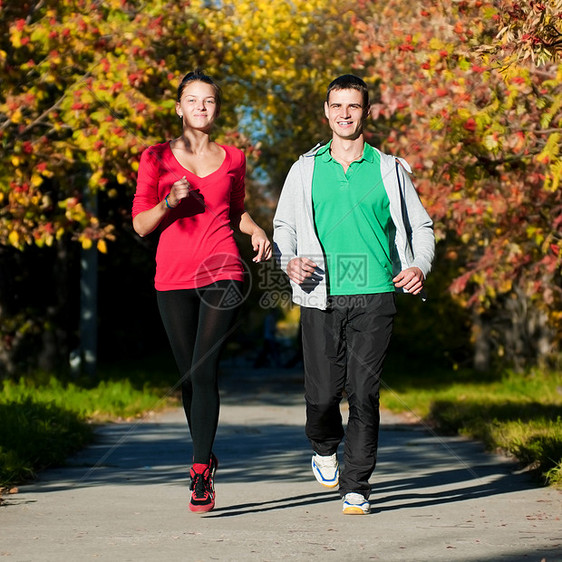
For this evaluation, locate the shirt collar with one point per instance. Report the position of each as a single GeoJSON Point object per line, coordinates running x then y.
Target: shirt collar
{"type": "Point", "coordinates": [324, 152]}
{"type": "Point", "coordinates": [368, 153]}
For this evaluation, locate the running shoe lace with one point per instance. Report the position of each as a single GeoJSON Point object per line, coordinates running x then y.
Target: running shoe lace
{"type": "Point", "coordinates": [200, 486]}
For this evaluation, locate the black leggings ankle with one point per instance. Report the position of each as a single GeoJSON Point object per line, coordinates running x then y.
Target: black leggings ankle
{"type": "Point", "coordinates": [197, 322]}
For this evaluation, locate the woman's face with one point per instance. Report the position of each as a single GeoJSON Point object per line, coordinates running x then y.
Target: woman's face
{"type": "Point", "coordinates": [198, 106]}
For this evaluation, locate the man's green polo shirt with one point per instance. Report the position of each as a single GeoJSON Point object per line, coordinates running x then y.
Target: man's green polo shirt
{"type": "Point", "coordinates": [353, 222]}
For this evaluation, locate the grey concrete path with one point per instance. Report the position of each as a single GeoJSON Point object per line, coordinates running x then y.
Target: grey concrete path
{"type": "Point", "coordinates": [125, 498]}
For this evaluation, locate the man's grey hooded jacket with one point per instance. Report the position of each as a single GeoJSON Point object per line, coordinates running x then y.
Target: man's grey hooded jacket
{"type": "Point", "coordinates": [295, 233]}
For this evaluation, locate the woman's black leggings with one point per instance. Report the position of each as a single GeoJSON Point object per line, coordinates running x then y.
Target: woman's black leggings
{"type": "Point", "coordinates": [198, 321]}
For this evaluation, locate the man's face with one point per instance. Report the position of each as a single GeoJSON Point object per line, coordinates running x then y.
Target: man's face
{"type": "Point", "coordinates": [345, 113]}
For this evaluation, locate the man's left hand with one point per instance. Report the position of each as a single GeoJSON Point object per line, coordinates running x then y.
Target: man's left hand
{"type": "Point", "coordinates": [410, 279]}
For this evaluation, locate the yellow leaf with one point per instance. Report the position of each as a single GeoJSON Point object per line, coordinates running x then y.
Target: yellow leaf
{"type": "Point", "coordinates": [121, 178]}
{"type": "Point", "coordinates": [86, 243]}
{"type": "Point", "coordinates": [16, 39]}
{"type": "Point", "coordinates": [95, 178]}
{"type": "Point", "coordinates": [490, 142]}
{"type": "Point", "coordinates": [102, 246]}
{"type": "Point", "coordinates": [14, 238]}
{"type": "Point", "coordinates": [17, 116]}
{"type": "Point", "coordinates": [505, 285]}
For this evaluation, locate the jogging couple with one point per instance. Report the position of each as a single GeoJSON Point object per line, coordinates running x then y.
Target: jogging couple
{"type": "Point", "coordinates": [349, 231]}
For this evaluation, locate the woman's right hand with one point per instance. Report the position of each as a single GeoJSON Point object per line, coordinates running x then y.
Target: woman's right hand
{"type": "Point", "coordinates": [180, 190]}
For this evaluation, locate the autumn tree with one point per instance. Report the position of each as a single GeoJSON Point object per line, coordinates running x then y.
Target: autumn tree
{"type": "Point", "coordinates": [480, 119]}
{"type": "Point", "coordinates": [87, 85]}
{"type": "Point", "coordinates": [525, 30]}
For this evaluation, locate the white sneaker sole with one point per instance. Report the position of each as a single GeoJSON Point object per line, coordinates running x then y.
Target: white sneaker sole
{"type": "Point", "coordinates": [355, 510]}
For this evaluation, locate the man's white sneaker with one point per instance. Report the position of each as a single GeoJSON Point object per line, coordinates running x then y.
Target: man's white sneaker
{"type": "Point", "coordinates": [355, 504]}
{"type": "Point", "coordinates": [326, 470]}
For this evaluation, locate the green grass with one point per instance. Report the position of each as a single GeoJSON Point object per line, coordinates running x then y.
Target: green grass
{"type": "Point", "coordinates": [43, 420]}
{"type": "Point", "coordinates": [35, 436]}
{"type": "Point", "coordinates": [519, 414]}
{"type": "Point", "coordinates": [108, 400]}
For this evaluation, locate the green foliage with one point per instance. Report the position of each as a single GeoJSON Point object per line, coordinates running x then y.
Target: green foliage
{"type": "Point", "coordinates": [531, 432]}
{"type": "Point", "coordinates": [45, 421]}
{"type": "Point", "coordinates": [521, 414]}
{"type": "Point", "coordinates": [36, 435]}
{"type": "Point", "coordinates": [106, 400]}
{"type": "Point", "coordinates": [537, 443]}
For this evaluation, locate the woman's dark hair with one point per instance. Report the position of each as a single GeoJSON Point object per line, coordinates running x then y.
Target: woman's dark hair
{"type": "Point", "coordinates": [200, 76]}
{"type": "Point", "coordinates": [349, 82]}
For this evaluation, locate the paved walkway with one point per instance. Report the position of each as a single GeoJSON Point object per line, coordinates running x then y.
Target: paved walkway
{"type": "Point", "coordinates": [125, 498]}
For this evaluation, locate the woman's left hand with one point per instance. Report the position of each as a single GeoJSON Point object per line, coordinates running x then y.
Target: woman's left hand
{"type": "Point", "coordinates": [261, 245]}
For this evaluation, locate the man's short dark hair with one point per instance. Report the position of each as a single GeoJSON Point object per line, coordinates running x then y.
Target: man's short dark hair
{"type": "Point", "coordinates": [349, 82]}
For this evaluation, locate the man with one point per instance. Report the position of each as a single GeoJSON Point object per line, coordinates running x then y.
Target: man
{"type": "Point", "coordinates": [350, 230]}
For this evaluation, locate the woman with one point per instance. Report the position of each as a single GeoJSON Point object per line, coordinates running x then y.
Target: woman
{"type": "Point", "coordinates": [192, 190]}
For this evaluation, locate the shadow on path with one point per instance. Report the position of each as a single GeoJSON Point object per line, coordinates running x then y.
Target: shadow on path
{"type": "Point", "coordinates": [261, 438]}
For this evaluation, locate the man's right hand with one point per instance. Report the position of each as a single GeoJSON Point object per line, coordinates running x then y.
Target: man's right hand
{"type": "Point", "coordinates": [300, 269]}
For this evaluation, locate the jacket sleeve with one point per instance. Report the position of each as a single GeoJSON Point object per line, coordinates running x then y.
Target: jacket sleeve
{"type": "Point", "coordinates": [422, 238]}
{"type": "Point", "coordinates": [284, 221]}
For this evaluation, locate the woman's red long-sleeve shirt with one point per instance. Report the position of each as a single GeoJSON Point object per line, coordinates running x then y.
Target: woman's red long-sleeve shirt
{"type": "Point", "coordinates": [196, 245]}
